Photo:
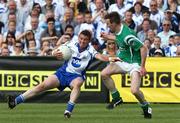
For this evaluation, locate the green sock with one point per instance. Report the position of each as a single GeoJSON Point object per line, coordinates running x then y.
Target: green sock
{"type": "Point", "coordinates": [145, 105]}
{"type": "Point", "coordinates": [115, 95]}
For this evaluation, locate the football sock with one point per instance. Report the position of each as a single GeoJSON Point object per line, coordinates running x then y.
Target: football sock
{"type": "Point", "coordinates": [144, 104]}
{"type": "Point", "coordinates": [115, 95]}
{"type": "Point", "coordinates": [19, 99]}
{"type": "Point", "coordinates": [70, 106]}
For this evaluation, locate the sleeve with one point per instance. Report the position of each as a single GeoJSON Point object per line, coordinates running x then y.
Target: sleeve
{"type": "Point", "coordinates": [92, 51]}
{"type": "Point", "coordinates": [133, 41]}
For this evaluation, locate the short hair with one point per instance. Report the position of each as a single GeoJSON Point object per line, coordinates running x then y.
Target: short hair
{"type": "Point", "coordinates": [114, 17]}
{"type": "Point", "coordinates": [148, 12]}
{"type": "Point", "coordinates": [86, 33]}
{"type": "Point", "coordinates": [50, 20]}
{"type": "Point", "coordinates": [69, 26]}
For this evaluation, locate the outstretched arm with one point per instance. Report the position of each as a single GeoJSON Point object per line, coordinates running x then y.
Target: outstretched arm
{"type": "Point", "coordinates": [107, 36]}
{"type": "Point", "coordinates": [107, 58]}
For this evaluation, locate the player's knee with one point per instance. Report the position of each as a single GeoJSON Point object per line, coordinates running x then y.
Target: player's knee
{"type": "Point", "coordinates": [41, 87]}
{"type": "Point", "coordinates": [104, 75]}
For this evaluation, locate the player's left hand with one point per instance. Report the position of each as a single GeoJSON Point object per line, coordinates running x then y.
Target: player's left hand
{"type": "Point", "coordinates": [142, 71]}
{"type": "Point", "coordinates": [58, 54]}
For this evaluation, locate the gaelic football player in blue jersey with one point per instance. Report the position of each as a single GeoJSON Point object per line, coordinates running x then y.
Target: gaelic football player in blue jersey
{"type": "Point", "coordinates": [71, 74]}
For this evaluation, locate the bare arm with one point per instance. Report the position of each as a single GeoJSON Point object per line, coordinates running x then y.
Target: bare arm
{"type": "Point", "coordinates": [107, 58]}
{"type": "Point", "coordinates": [106, 36]}
{"type": "Point", "coordinates": [143, 51]}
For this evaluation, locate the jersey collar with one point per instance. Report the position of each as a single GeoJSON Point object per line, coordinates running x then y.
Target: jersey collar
{"type": "Point", "coordinates": [81, 50]}
{"type": "Point", "coordinates": [120, 31]}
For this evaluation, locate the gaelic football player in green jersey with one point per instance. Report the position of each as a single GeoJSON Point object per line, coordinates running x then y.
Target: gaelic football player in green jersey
{"type": "Point", "coordinates": [133, 54]}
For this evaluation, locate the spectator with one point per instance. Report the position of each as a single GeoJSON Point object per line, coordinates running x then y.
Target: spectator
{"type": "Point", "coordinates": [174, 21]}
{"type": "Point", "coordinates": [43, 24]}
{"type": "Point", "coordinates": [64, 38]}
{"type": "Point", "coordinates": [101, 26]}
{"type": "Point", "coordinates": [177, 39]}
{"type": "Point", "coordinates": [170, 50]}
{"type": "Point", "coordinates": [24, 7]}
{"type": "Point", "coordinates": [50, 31]}
{"type": "Point", "coordinates": [3, 7]}
{"type": "Point", "coordinates": [151, 35]}
{"type": "Point", "coordinates": [48, 6]}
{"type": "Point", "coordinates": [99, 7]}
{"type": "Point", "coordinates": [129, 21]}
{"type": "Point", "coordinates": [18, 49]}
{"type": "Point", "coordinates": [45, 49]}
{"type": "Point", "coordinates": [88, 25]}
{"type": "Point", "coordinates": [119, 7]}
{"type": "Point", "coordinates": [173, 5]}
{"type": "Point", "coordinates": [144, 8]}
{"type": "Point", "coordinates": [142, 35]}
{"type": "Point", "coordinates": [166, 33]}
{"type": "Point", "coordinates": [137, 15]}
{"type": "Point", "coordinates": [161, 5]}
{"type": "Point", "coordinates": [153, 24]}
{"type": "Point", "coordinates": [79, 21]}
{"type": "Point", "coordinates": [157, 50]}
{"type": "Point", "coordinates": [147, 43]}
{"type": "Point", "coordinates": [10, 40]}
{"type": "Point", "coordinates": [156, 14]}
{"type": "Point", "coordinates": [68, 19]}
{"type": "Point", "coordinates": [35, 13]}
{"type": "Point", "coordinates": [18, 27]}
{"type": "Point", "coordinates": [111, 49]}
{"type": "Point", "coordinates": [60, 10]}
{"type": "Point", "coordinates": [32, 52]}
{"type": "Point", "coordinates": [36, 30]}
{"type": "Point", "coordinates": [5, 52]}
{"type": "Point", "coordinates": [158, 53]}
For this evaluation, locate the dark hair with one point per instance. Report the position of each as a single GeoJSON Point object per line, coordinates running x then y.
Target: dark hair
{"type": "Point", "coordinates": [69, 26]}
{"type": "Point", "coordinates": [148, 12]}
{"type": "Point", "coordinates": [146, 19]}
{"type": "Point", "coordinates": [37, 4]}
{"type": "Point", "coordinates": [12, 35]}
{"type": "Point", "coordinates": [138, 3]}
{"type": "Point", "coordinates": [50, 20]}
{"type": "Point", "coordinates": [86, 33]}
{"type": "Point", "coordinates": [114, 17]}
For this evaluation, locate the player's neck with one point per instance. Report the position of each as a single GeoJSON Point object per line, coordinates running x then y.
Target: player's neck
{"type": "Point", "coordinates": [118, 28]}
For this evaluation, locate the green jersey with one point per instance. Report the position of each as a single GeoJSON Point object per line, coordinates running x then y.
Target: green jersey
{"type": "Point", "coordinates": [129, 45]}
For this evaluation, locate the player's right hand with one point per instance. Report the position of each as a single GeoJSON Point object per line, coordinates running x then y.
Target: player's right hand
{"type": "Point", "coordinates": [58, 54]}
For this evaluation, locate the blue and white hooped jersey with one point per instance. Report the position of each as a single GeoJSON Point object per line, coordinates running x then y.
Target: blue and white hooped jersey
{"type": "Point", "coordinates": [79, 61]}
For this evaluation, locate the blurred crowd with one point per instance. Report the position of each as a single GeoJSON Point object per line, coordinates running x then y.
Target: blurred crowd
{"type": "Point", "coordinates": [36, 27]}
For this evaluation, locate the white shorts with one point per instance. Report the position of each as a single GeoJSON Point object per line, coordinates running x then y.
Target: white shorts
{"type": "Point", "coordinates": [129, 68]}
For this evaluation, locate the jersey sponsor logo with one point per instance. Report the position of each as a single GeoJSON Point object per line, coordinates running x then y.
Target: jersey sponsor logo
{"type": "Point", "coordinates": [76, 62]}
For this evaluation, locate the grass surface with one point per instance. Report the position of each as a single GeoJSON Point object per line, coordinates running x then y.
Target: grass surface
{"type": "Point", "coordinates": [88, 113]}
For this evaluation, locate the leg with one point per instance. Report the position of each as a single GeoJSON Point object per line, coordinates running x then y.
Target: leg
{"type": "Point", "coordinates": [111, 69]}
{"type": "Point", "coordinates": [135, 85]}
{"type": "Point", "coordinates": [75, 86]}
{"type": "Point", "coordinates": [49, 83]}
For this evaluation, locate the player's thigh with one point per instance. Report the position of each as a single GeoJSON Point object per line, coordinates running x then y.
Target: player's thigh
{"type": "Point", "coordinates": [77, 82]}
{"type": "Point", "coordinates": [50, 83]}
{"type": "Point", "coordinates": [112, 68]}
{"type": "Point", "coordinates": [135, 80]}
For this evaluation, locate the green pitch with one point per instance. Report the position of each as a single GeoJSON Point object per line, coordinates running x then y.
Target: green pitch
{"type": "Point", "coordinates": [88, 113]}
